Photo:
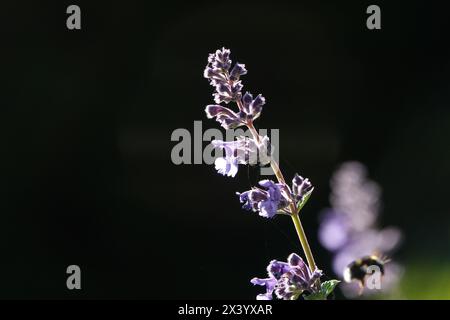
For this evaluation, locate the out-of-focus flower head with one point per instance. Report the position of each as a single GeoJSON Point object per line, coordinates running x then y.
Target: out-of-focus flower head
{"type": "Point", "coordinates": [349, 228]}
{"type": "Point", "coordinates": [288, 280]}
{"type": "Point", "coordinates": [355, 196]}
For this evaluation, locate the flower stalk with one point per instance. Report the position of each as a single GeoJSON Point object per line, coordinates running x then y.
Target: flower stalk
{"type": "Point", "coordinates": [303, 240]}
{"type": "Point", "coordinates": [287, 280]}
{"type": "Point", "coordinates": [293, 210]}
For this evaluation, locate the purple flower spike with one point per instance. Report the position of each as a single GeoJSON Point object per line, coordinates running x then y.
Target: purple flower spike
{"type": "Point", "coordinates": [228, 89]}
{"type": "Point", "coordinates": [288, 280]}
{"type": "Point", "coordinates": [227, 84]}
{"type": "Point", "coordinates": [266, 200]}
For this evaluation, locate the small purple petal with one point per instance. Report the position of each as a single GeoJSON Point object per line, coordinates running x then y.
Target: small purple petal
{"type": "Point", "coordinates": [276, 269]}
{"type": "Point", "coordinates": [237, 71]}
{"type": "Point", "coordinates": [268, 208]}
{"type": "Point", "coordinates": [226, 166]}
{"type": "Point", "coordinates": [227, 118]}
{"type": "Point", "coordinates": [301, 186]}
{"type": "Point", "coordinates": [268, 199]}
{"type": "Point", "coordinates": [295, 260]}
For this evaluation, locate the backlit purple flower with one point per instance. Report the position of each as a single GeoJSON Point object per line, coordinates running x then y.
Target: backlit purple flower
{"type": "Point", "coordinates": [266, 200]}
{"type": "Point", "coordinates": [269, 283]}
{"type": "Point", "coordinates": [237, 71]}
{"type": "Point", "coordinates": [227, 84]}
{"type": "Point", "coordinates": [273, 197]}
{"type": "Point", "coordinates": [300, 187]}
{"type": "Point", "coordinates": [288, 280]}
{"type": "Point", "coordinates": [227, 92]}
{"type": "Point", "coordinates": [252, 107]}
{"type": "Point", "coordinates": [215, 75]}
{"type": "Point", "coordinates": [227, 118]}
{"type": "Point", "coordinates": [228, 87]}
{"type": "Point", "coordinates": [244, 150]}
{"type": "Point", "coordinates": [220, 59]}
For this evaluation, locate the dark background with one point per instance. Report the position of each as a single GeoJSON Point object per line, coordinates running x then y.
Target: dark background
{"type": "Point", "coordinates": [87, 116]}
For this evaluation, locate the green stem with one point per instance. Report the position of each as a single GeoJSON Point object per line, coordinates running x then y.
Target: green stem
{"type": "Point", "coordinates": [304, 241]}
{"type": "Point", "coordinates": [292, 207]}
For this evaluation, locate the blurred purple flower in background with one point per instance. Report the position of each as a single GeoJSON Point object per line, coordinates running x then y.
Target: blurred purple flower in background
{"type": "Point", "coordinates": [349, 228]}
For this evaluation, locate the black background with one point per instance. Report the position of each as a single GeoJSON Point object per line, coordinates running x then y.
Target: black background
{"type": "Point", "coordinates": [87, 116]}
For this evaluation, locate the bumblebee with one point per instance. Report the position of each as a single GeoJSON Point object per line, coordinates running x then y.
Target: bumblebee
{"type": "Point", "coordinates": [358, 270]}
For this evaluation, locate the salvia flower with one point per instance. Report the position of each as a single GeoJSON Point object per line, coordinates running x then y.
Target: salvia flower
{"type": "Point", "coordinates": [288, 280]}
{"type": "Point", "coordinates": [244, 150]}
{"type": "Point", "coordinates": [266, 200]}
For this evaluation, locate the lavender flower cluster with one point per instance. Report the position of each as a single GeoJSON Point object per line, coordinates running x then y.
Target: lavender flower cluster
{"type": "Point", "coordinates": [269, 198]}
{"type": "Point", "coordinates": [349, 228]}
{"type": "Point", "coordinates": [287, 280]}
{"type": "Point", "coordinates": [274, 197]}
{"type": "Point", "coordinates": [228, 88]}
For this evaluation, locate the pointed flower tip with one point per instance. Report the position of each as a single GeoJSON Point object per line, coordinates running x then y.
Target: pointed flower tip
{"type": "Point", "coordinates": [226, 81]}
{"type": "Point", "coordinates": [301, 186]}
{"type": "Point", "coordinates": [294, 259]}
